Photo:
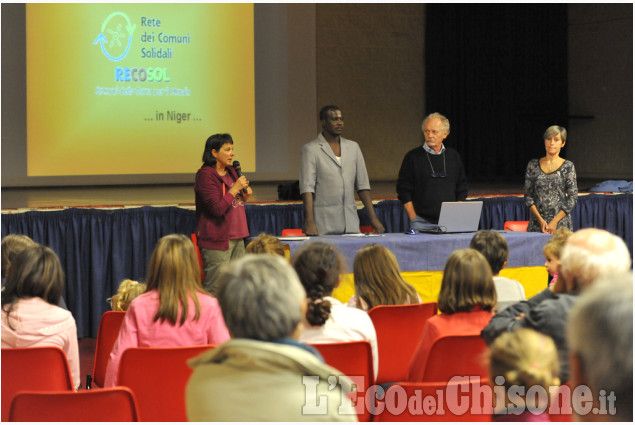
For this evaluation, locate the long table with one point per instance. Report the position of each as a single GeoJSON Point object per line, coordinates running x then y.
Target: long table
{"type": "Point", "coordinates": [422, 258]}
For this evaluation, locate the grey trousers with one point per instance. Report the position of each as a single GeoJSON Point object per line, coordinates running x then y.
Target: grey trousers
{"type": "Point", "coordinates": [213, 259]}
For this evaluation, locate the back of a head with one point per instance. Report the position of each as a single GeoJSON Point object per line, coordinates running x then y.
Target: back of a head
{"type": "Point", "coordinates": [175, 273]}
{"type": "Point", "coordinates": [318, 266]}
{"type": "Point", "coordinates": [493, 246]}
{"type": "Point", "coordinates": [12, 245]}
{"type": "Point", "coordinates": [378, 279]}
{"type": "Point", "coordinates": [592, 253]}
{"type": "Point", "coordinates": [600, 336]}
{"type": "Point", "coordinates": [128, 291]}
{"type": "Point", "coordinates": [556, 244]}
{"type": "Point", "coordinates": [524, 357]}
{"type": "Point", "coordinates": [36, 272]}
{"type": "Point", "coordinates": [265, 244]}
{"type": "Point", "coordinates": [261, 297]}
{"type": "Point", "coordinates": [467, 283]}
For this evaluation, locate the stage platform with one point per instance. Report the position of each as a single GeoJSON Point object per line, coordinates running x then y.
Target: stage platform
{"type": "Point", "coordinates": [106, 234]}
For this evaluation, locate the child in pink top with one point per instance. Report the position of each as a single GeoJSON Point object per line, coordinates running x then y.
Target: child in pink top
{"type": "Point", "coordinates": [174, 311]}
{"type": "Point", "coordinates": [30, 313]}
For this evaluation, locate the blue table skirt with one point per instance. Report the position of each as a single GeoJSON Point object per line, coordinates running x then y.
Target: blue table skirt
{"type": "Point", "coordinates": [100, 248]}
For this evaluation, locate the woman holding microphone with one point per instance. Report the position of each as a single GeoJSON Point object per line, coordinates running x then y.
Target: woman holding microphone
{"type": "Point", "coordinates": [221, 223]}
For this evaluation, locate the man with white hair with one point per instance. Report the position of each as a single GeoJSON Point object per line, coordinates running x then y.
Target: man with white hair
{"type": "Point", "coordinates": [430, 175]}
{"type": "Point", "coordinates": [588, 254]}
{"type": "Point", "coordinates": [600, 337]}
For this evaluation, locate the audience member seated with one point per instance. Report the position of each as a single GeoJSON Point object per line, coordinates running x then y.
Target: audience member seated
{"type": "Point", "coordinates": [378, 280]}
{"type": "Point", "coordinates": [263, 373]}
{"type": "Point", "coordinates": [265, 244]}
{"type": "Point", "coordinates": [521, 360]}
{"type": "Point", "coordinates": [466, 301]}
{"type": "Point", "coordinates": [587, 255]}
{"type": "Point", "coordinates": [12, 245]}
{"type": "Point", "coordinates": [319, 266]}
{"type": "Point", "coordinates": [552, 251]}
{"type": "Point", "coordinates": [494, 248]}
{"type": "Point", "coordinates": [600, 336]}
{"type": "Point", "coordinates": [31, 316]}
{"type": "Point", "coordinates": [128, 291]}
{"type": "Point", "coordinates": [174, 311]}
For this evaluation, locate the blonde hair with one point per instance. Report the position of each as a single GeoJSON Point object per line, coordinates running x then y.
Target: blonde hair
{"type": "Point", "coordinates": [265, 244]}
{"type": "Point", "coordinates": [128, 291]}
{"type": "Point", "coordinates": [378, 279]}
{"type": "Point", "coordinates": [524, 358]}
{"type": "Point", "coordinates": [176, 275]}
{"type": "Point", "coordinates": [467, 283]}
{"type": "Point", "coordinates": [12, 245]}
{"type": "Point", "coordinates": [555, 245]}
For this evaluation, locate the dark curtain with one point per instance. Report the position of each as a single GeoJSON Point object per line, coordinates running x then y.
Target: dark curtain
{"type": "Point", "coordinates": [499, 73]}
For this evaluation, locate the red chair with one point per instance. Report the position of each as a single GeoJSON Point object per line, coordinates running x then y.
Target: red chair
{"type": "Point", "coordinates": [516, 226]}
{"type": "Point", "coordinates": [355, 360]}
{"type": "Point", "coordinates": [366, 229]}
{"type": "Point", "coordinates": [33, 369]}
{"type": "Point", "coordinates": [115, 404]}
{"type": "Point", "coordinates": [399, 329]}
{"type": "Point", "coordinates": [292, 232]}
{"type": "Point", "coordinates": [560, 409]}
{"type": "Point", "coordinates": [157, 377]}
{"type": "Point", "coordinates": [456, 401]}
{"type": "Point", "coordinates": [107, 334]}
{"type": "Point", "coordinates": [456, 355]}
{"type": "Point", "coordinates": [198, 254]}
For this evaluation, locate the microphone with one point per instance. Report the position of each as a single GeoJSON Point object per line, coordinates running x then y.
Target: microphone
{"type": "Point", "coordinates": [236, 166]}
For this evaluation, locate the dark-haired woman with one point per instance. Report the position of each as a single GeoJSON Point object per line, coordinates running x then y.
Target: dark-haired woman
{"type": "Point", "coordinates": [221, 223]}
{"type": "Point", "coordinates": [319, 267]}
{"type": "Point", "coordinates": [31, 316]}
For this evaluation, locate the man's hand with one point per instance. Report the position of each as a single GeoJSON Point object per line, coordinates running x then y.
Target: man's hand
{"type": "Point", "coordinates": [379, 228]}
{"type": "Point", "coordinates": [310, 229]}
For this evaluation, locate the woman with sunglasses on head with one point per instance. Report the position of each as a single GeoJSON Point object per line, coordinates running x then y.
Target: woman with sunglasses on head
{"type": "Point", "coordinates": [430, 175]}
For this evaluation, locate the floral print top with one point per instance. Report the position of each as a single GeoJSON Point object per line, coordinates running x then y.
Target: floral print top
{"type": "Point", "coordinates": [550, 193]}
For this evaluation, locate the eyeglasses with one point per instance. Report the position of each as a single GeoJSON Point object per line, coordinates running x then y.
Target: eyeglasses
{"type": "Point", "coordinates": [439, 175]}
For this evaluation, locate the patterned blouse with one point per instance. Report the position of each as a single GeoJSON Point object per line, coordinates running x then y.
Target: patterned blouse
{"type": "Point", "coordinates": [550, 193]}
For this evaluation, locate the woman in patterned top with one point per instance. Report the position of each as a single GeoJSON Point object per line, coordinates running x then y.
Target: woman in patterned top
{"type": "Point", "coordinates": [551, 189]}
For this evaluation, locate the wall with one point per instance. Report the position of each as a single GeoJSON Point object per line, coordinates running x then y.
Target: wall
{"type": "Point", "coordinates": [370, 63]}
{"type": "Point", "coordinates": [601, 85]}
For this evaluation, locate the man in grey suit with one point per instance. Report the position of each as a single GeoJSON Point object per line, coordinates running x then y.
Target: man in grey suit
{"type": "Point", "coordinates": [332, 168]}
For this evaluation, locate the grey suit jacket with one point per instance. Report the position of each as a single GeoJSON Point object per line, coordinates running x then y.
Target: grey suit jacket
{"type": "Point", "coordinates": [334, 185]}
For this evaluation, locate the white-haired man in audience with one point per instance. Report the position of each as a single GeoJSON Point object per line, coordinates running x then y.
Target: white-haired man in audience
{"type": "Point", "coordinates": [588, 254]}
{"type": "Point", "coordinates": [600, 337]}
{"type": "Point", "coordinates": [263, 373]}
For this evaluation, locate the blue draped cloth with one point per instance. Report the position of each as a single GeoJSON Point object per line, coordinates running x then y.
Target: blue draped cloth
{"type": "Point", "coordinates": [98, 248]}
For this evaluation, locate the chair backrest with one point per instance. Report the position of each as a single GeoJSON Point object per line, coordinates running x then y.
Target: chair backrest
{"type": "Point", "coordinates": [198, 255]}
{"type": "Point", "coordinates": [460, 401]}
{"type": "Point", "coordinates": [456, 355]}
{"type": "Point", "coordinates": [355, 360]}
{"type": "Point", "coordinates": [292, 232]}
{"type": "Point", "coordinates": [560, 409]}
{"type": "Point", "coordinates": [115, 404]}
{"type": "Point", "coordinates": [157, 377]}
{"type": "Point", "coordinates": [107, 334]}
{"type": "Point", "coordinates": [366, 229]}
{"type": "Point", "coordinates": [399, 329]}
{"type": "Point", "coordinates": [516, 226]}
{"type": "Point", "coordinates": [33, 369]}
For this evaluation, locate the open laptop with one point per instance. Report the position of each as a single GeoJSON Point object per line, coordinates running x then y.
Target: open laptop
{"type": "Point", "coordinates": [458, 217]}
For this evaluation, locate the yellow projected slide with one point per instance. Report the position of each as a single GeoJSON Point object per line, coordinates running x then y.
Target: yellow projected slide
{"type": "Point", "coordinates": [137, 88]}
